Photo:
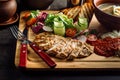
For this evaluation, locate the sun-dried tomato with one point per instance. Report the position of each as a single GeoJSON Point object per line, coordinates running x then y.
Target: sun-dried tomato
{"type": "Point", "coordinates": [101, 52]}
{"type": "Point", "coordinates": [70, 32]}
{"type": "Point", "coordinates": [107, 46]}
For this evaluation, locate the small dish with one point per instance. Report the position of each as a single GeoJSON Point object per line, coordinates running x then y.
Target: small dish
{"type": "Point", "coordinates": [10, 21]}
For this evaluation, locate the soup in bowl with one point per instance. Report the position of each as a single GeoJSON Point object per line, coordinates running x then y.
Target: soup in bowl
{"type": "Point", "coordinates": [110, 8]}
{"type": "Point", "coordinates": [108, 13]}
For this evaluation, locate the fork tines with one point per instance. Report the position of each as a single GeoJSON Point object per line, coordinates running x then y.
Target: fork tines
{"type": "Point", "coordinates": [16, 32]}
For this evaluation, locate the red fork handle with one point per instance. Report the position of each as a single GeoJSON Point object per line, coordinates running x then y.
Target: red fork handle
{"type": "Point", "coordinates": [43, 55]}
{"type": "Point", "coordinates": [23, 55]}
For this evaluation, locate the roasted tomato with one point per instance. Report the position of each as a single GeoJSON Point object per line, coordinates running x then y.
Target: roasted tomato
{"type": "Point", "coordinates": [70, 32]}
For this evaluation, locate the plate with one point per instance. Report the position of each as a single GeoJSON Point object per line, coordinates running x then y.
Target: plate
{"type": "Point", "coordinates": [11, 20]}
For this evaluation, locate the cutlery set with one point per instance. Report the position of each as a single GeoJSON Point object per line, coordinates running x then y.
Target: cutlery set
{"type": "Point", "coordinates": [23, 50]}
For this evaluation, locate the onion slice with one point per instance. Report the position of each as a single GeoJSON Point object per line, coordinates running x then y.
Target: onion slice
{"type": "Point", "coordinates": [48, 29]}
{"type": "Point", "coordinates": [82, 38]}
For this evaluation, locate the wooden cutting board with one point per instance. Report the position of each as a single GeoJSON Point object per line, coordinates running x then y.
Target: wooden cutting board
{"type": "Point", "coordinates": [93, 61]}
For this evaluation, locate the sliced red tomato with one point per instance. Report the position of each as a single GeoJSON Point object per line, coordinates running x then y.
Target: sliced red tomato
{"type": "Point", "coordinates": [91, 38]}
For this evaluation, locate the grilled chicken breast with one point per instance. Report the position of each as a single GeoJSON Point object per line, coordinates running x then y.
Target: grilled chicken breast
{"type": "Point", "coordinates": [63, 48]}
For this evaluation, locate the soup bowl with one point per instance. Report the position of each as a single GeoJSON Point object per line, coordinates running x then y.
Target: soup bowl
{"type": "Point", "coordinates": [107, 20]}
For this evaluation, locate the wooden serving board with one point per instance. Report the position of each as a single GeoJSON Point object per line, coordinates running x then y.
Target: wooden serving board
{"type": "Point", "coordinates": [93, 61]}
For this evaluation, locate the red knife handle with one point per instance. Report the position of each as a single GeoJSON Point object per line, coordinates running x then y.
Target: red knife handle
{"type": "Point", "coordinates": [43, 55]}
{"type": "Point", "coordinates": [23, 55]}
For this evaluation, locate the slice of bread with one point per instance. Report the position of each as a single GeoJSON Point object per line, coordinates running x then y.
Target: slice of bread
{"type": "Point", "coordinates": [85, 11]}
{"type": "Point", "coordinates": [71, 12]}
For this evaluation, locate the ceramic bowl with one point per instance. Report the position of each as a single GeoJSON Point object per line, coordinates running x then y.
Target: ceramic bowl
{"type": "Point", "coordinates": [7, 9]}
{"type": "Point", "coordinates": [108, 21]}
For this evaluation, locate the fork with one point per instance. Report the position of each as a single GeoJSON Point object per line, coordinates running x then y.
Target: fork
{"type": "Point", "coordinates": [21, 37]}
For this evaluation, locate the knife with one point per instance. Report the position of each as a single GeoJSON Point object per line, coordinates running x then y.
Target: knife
{"type": "Point", "coordinates": [23, 51]}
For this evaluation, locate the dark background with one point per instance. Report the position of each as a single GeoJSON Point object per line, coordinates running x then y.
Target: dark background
{"type": "Point", "coordinates": [8, 71]}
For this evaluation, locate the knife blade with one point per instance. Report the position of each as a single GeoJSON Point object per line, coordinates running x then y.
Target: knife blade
{"type": "Point", "coordinates": [23, 51]}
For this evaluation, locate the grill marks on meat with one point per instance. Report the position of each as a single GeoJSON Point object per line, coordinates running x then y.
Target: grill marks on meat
{"type": "Point", "coordinates": [61, 47]}
{"type": "Point", "coordinates": [81, 51]}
